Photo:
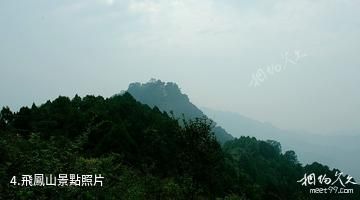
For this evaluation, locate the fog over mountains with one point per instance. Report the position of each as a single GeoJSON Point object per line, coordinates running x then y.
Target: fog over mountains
{"type": "Point", "coordinates": [335, 150]}
{"type": "Point", "coordinates": [168, 97]}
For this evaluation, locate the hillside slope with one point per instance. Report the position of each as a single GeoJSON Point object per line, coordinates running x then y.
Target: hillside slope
{"type": "Point", "coordinates": [326, 148]}
{"type": "Point", "coordinates": [168, 97]}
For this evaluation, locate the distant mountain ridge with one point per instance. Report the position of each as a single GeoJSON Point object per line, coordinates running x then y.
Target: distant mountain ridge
{"type": "Point", "coordinates": [309, 147]}
{"type": "Point", "coordinates": [333, 149]}
{"type": "Point", "coordinates": [153, 155]}
{"type": "Point", "coordinates": [168, 97]}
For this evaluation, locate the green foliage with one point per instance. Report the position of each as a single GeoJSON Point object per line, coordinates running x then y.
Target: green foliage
{"type": "Point", "coordinates": [263, 172]}
{"type": "Point", "coordinates": [142, 153]}
{"type": "Point", "coordinates": [169, 98]}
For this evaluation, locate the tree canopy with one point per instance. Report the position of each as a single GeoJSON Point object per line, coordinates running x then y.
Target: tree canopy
{"type": "Point", "coordinates": [142, 153]}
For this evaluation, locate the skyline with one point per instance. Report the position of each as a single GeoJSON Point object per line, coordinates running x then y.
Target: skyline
{"type": "Point", "coordinates": [210, 49]}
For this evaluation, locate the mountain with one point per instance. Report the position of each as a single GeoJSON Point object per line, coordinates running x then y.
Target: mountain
{"type": "Point", "coordinates": [133, 151]}
{"type": "Point", "coordinates": [140, 152]}
{"type": "Point", "coordinates": [335, 149]}
{"type": "Point", "coordinates": [168, 97]}
{"type": "Point", "coordinates": [309, 147]}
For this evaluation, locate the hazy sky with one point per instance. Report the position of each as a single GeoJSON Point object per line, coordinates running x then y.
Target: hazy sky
{"type": "Point", "coordinates": [210, 48]}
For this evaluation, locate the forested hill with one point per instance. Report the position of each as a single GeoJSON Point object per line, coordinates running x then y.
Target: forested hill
{"type": "Point", "coordinates": [168, 97]}
{"type": "Point", "coordinates": [143, 154]}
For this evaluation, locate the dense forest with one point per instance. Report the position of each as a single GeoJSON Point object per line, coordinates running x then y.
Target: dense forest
{"type": "Point", "coordinates": [168, 97]}
{"type": "Point", "coordinates": [142, 153]}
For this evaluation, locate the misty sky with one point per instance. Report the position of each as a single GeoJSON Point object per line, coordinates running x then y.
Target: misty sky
{"type": "Point", "coordinates": [210, 48]}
